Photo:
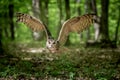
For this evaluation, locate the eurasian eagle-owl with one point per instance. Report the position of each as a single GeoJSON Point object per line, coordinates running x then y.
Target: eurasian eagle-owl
{"type": "Point", "coordinates": [76, 24]}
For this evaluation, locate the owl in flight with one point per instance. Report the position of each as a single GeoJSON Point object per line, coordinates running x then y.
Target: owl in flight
{"type": "Point", "coordinates": [76, 24]}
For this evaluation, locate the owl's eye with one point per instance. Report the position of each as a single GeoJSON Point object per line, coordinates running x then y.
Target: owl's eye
{"type": "Point", "coordinates": [53, 42]}
{"type": "Point", "coordinates": [57, 42]}
{"type": "Point", "coordinates": [49, 42]}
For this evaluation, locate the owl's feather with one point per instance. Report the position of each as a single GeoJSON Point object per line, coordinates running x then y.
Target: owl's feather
{"type": "Point", "coordinates": [76, 24]}
{"type": "Point", "coordinates": [32, 23]}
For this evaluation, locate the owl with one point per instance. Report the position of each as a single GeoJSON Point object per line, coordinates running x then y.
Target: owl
{"type": "Point", "coordinates": [75, 24]}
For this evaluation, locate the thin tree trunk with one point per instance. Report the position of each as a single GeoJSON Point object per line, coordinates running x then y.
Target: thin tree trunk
{"type": "Point", "coordinates": [1, 45]}
{"type": "Point", "coordinates": [36, 13]}
{"type": "Point", "coordinates": [87, 10]}
{"type": "Point", "coordinates": [117, 28]}
{"type": "Point", "coordinates": [59, 2]}
{"type": "Point", "coordinates": [5, 23]}
{"type": "Point", "coordinates": [44, 11]}
{"type": "Point", "coordinates": [78, 7]}
{"type": "Point", "coordinates": [97, 23]}
{"type": "Point", "coordinates": [67, 9]}
{"type": "Point", "coordinates": [11, 13]}
{"type": "Point", "coordinates": [6, 32]}
{"type": "Point", "coordinates": [79, 13]}
{"type": "Point", "coordinates": [94, 7]}
{"type": "Point", "coordinates": [104, 21]}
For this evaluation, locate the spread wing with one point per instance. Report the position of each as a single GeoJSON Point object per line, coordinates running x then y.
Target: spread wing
{"type": "Point", "coordinates": [32, 23]}
{"type": "Point", "coordinates": [76, 24]}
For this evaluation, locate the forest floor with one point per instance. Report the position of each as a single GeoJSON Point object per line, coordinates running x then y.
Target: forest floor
{"type": "Point", "coordinates": [32, 62]}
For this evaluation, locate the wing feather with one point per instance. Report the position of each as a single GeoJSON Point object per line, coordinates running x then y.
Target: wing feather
{"type": "Point", "coordinates": [76, 24]}
{"type": "Point", "coordinates": [32, 22]}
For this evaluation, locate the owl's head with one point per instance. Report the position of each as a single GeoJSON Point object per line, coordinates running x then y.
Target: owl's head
{"type": "Point", "coordinates": [52, 45]}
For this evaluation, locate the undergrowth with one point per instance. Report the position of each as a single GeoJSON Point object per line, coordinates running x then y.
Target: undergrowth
{"type": "Point", "coordinates": [74, 64]}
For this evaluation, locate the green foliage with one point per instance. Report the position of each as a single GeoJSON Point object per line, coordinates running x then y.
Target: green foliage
{"type": "Point", "coordinates": [113, 17]}
{"type": "Point", "coordinates": [77, 63]}
{"type": "Point", "coordinates": [22, 33]}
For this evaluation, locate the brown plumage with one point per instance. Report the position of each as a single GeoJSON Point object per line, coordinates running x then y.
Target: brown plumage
{"type": "Point", "coordinates": [76, 24]}
{"type": "Point", "coordinates": [32, 23]}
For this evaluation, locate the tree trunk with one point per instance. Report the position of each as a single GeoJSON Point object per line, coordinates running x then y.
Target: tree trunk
{"type": "Point", "coordinates": [6, 32]}
{"type": "Point", "coordinates": [97, 23]}
{"type": "Point", "coordinates": [11, 13]}
{"type": "Point", "coordinates": [59, 2]}
{"type": "Point", "coordinates": [1, 46]}
{"type": "Point", "coordinates": [79, 13]}
{"type": "Point", "coordinates": [36, 13]}
{"type": "Point", "coordinates": [44, 11]}
{"type": "Point", "coordinates": [104, 21]}
{"type": "Point", "coordinates": [78, 7]}
{"type": "Point", "coordinates": [94, 7]}
{"type": "Point", "coordinates": [105, 40]}
{"type": "Point", "coordinates": [67, 9]}
{"type": "Point", "coordinates": [117, 28]}
{"type": "Point", "coordinates": [87, 10]}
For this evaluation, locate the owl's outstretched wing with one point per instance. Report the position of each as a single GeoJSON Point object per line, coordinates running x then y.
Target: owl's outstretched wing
{"type": "Point", "coordinates": [76, 24]}
{"type": "Point", "coordinates": [32, 23]}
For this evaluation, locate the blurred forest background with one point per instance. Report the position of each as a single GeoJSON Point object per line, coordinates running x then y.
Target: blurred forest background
{"type": "Point", "coordinates": [105, 34]}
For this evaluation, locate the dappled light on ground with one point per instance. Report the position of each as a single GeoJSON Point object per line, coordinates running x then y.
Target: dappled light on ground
{"type": "Point", "coordinates": [35, 50]}
{"type": "Point", "coordinates": [73, 63]}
